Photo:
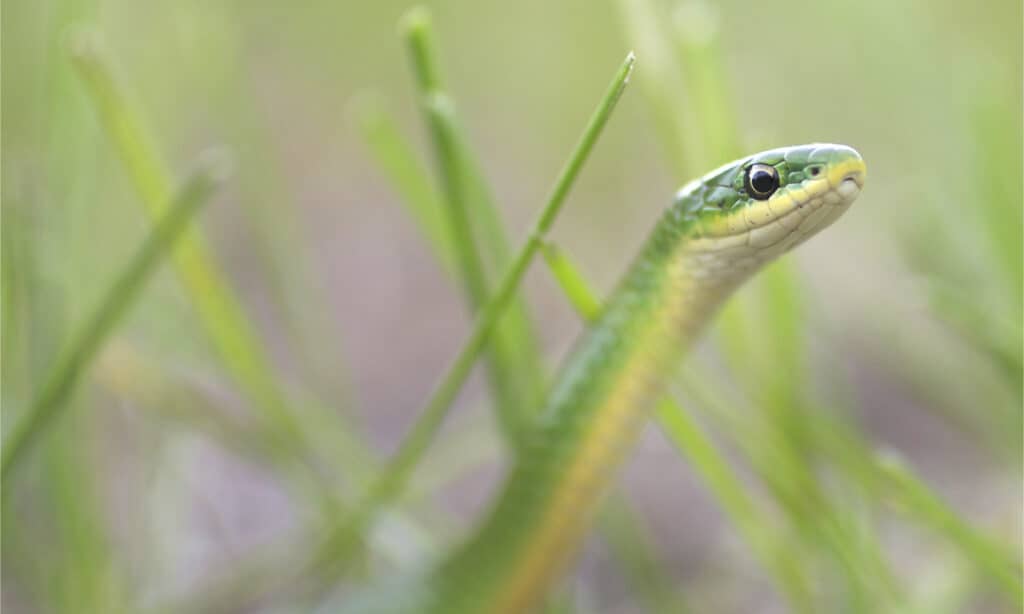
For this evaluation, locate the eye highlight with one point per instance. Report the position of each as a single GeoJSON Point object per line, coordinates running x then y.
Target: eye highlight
{"type": "Point", "coordinates": [761, 181]}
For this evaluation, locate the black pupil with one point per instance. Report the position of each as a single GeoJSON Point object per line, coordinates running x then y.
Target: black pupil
{"type": "Point", "coordinates": [762, 181]}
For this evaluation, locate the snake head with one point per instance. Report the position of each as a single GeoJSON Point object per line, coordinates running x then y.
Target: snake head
{"type": "Point", "coordinates": [772, 201]}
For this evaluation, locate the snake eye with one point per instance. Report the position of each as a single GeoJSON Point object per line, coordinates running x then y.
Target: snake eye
{"type": "Point", "coordinates": [762, 181]}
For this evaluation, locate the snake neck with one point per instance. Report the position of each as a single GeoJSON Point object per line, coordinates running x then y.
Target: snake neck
{"type": "Point", "coordinates": [593, 415]}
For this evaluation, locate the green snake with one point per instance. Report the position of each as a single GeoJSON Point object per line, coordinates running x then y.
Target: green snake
{"type": "Point", "coordinates": [721, 229]}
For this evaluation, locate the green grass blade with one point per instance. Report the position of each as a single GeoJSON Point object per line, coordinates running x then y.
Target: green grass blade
{"type": "Point", "coordinates": [15, 263]}
{"type": "Point", "coordinates": [119, 297]}
{"type": "Point", "coordinates": [86, 575]}
{"type": "Point", "coordinates": [477, 238]}
{"type": "Point", "coordinates": [632, 547]}
{"type": "Point", "coordinates": [397, 160]}
{"type": "Point", "coordinates": [695, 28]}
{"type": "Point", "coordinates": [772, 364]}
{"type": "Point", "coordinates": [661, 84]}
{"type": "Point", "coordinates": [515, 340]}
{"type": "Point", "coordinates": [393, 478]}
{"type": "Point", "coordinates": [996, 128]}
{"type": "Point", "coordinates": [770, 359]}
{"type": "Point", "coordinates": [891, 480]}
{"type": "Point", "coordinates": [500, 372]}
{"type": "Point", "coordinates": [925, 506]}
{"type": "Point", "coordinates": [220, 310]}
{"type": "Point", "coordinates": [173, 401]}
{"type": "Point", "coordinates": [572, 283]}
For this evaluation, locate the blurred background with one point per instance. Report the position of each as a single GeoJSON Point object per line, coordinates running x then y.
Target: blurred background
{"type": "Point", "coordinates": [851, 435]}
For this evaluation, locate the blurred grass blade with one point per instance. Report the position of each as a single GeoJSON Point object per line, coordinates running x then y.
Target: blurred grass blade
{"type": "Point", "coordinates": [772, 364]}
{"type": "Point", "coordinates": [891, 480]}
{"type": "Point", "coordinates": [115, 302]}
{"type": "Point", "coordinates": [661, 84]}
{"type": "Point", "coordinates": [984, 327]}
{"type": "Point", "coordinates": [393, 478]}
{"type": "Point", "coordinates": [16, 266]}
{"type": "Point", "coordinates": [571, 282]}
{"type": "Point", "coordinates": [631, 545]}
{"type": "Point", "coordinates": [174, 401]}
{"type": "Point", "coordinates": [770, 359]}
{"type": "Point", "coordinates": [219, 309]}
{"type": "Point", "coordinates": [695, 25]}
{"type": "Point", "coordinates": [924, 505]}
{"type": "Point", "coordinates": [396, 158]}
{"type": "Point", "coordinates": [477, 236]}
{"type": "Point", "coordinates": [996, 131]}
{"type": "Point", "coordinates": [515, 340]}
{"type": "Point", "coordinates": [500, 374]}
{"type": "Point", "coordinates": [86, 575]}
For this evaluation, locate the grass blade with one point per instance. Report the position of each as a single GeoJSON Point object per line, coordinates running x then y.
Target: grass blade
{"type": "Point", "coordinates": [477, 239]}
{"type": "Point", "coordinates": [220, 311]}
{"type": "Point", "coordinates": [218, 307]}
{"type": "Point", "coordinates": [628, 540]}
{"type": "Point", "coordinates": [393, 478]}
{"type": "Point", "coordinates": [661, 85]}
{"type": "Point", "coordinates": [695, 27]}
{"type": "Point", "coordinates": [116, 301]}
{"type": "Point", "coordinates": [926, 506]}
{"type": "Point", "coordinates": [515, 341]}
{"type": "Point", "coordinates": [397, 160]}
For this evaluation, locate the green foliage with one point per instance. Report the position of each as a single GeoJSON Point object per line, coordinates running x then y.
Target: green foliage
{"type": "Point", "coordinates": [84, 345]}
{"type": "Point", "coordinates": [513, 359]}
{"type": "Point", "coordinates": [219, 309]}
{"type": "Point", "coordinates": [393, 478]}
{"type": "Point", "coordinates": [854, 417]}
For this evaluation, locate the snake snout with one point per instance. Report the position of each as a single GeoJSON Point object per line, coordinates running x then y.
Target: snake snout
{"type": "Point", "coordinates": [854, 176]}
{"type": "Point", "coordinates": [849, 167]}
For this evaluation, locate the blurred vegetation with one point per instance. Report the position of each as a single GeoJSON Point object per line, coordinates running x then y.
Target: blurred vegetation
{"type": "Point", "coordinates": [847, 439]}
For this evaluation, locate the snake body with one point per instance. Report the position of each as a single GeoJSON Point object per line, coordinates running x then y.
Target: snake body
{"type": "Point", "coordinates": [721, 229]}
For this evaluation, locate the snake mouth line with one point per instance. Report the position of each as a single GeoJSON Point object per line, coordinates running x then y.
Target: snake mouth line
{"type": "Point", "coordinates": [789, 209]}
{"type": "Point", "coordinates": [763, 230]}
